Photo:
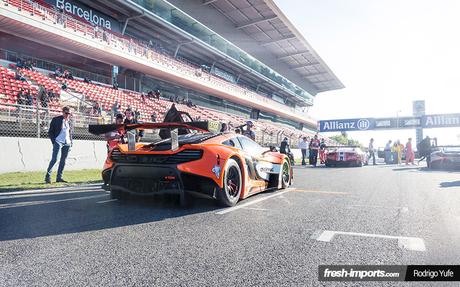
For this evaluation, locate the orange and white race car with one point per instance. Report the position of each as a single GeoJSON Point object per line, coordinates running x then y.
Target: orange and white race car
{"type": "Point", "coordinates": [192, 159]}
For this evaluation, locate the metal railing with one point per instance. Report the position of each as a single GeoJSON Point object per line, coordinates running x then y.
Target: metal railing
{"type": "Point", "coordinates": [33, 121]}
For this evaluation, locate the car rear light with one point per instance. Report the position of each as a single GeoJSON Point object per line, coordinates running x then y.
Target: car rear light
{"type": "Point", "coordinates": [176, 158]}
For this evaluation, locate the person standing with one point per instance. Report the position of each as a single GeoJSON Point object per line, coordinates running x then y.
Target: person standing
{"type": "Point", "coordinates": [284, 147]}
{"type": "Point", "coordinates": [60, 134]}
{"type": "Point", "coordinates": [249, 132]}
{"type": "Point", "coordinates": [387, 151]}
{"type": "Point", "coordinates": [314, 150]}
{"type": "Point", "coordinates": [303, 146]}
{"type": "Point", "coordinates": [394, 152]}
{"type": "Point", "coordinates": [424, 150]}
{"type": "Point", "coordinates": [322, 152]}
{"type": "Point", "coordinates": [409, 152]}
{"type": "Point", "coordinates": [115, 137]}
{"type": "Point", "coordinates": [399, 150]}
{"type": "Point", "coordinates": [372, 150]}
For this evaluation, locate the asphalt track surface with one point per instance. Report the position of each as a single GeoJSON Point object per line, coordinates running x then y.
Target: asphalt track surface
{"type": "Point", "coordinates": [79, 237]}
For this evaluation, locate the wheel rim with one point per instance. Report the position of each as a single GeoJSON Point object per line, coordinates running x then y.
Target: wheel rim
{"type": "Point", "coordinates": [233, 182]}
{"type": "Point", "coordinates": [285, 173]}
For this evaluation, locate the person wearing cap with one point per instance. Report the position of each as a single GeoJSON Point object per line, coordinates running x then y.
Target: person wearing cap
{"type": "Point", "coordinates": [115, 137]}
{"type": "Point", "coordinates": [248, 132]}
{"type": "Point", "coordinates": [60, 134]}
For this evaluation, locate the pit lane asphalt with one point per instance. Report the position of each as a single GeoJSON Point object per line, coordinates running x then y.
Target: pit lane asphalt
{"type": "Point", "coordinates": [79, 237]}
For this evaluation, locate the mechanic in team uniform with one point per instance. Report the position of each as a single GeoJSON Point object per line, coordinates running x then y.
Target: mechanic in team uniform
{"type": "Point", "coordinates": [115, 137]}
{"type": "Point", "coordinates": [322, 151]}
{"type": "Point", "coordinates": [409, 152]}
{"type": "Point", "coordinates": [314, 148]}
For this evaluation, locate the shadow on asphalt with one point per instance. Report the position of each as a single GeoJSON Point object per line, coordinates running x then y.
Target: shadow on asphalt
{"type": "Point", "coordinates": [31, 216]}
{"type": "Point", "coordinates": [450, 184]}
{"type": "Point", "coordinates": [426, 169]}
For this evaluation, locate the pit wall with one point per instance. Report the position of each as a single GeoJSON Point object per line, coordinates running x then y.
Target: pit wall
{"type": "Point", "coordinates": [32, 154]}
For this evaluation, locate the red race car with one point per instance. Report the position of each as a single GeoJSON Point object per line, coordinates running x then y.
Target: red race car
{"type": "Point", "coordinates": [346, 156]}
{"type": "Point", "coordinates": [190, 158]}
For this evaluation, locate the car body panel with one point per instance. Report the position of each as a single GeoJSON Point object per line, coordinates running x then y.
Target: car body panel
{"type": "Point", "coordinates": [445, 158]}
{"type": "Point", "coordinates": [346, 156]}
{"type": "Point", "coordinates": [255, 169]}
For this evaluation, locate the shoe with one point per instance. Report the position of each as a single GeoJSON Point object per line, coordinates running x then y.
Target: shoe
{"type": "Point", "coordinates": [61, 180]}
{"type": "Point", "coordinates": [47, 180]}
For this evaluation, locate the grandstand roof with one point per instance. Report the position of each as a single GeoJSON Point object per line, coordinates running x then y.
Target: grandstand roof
{"type": "Point", "coordinates": [267, 24]}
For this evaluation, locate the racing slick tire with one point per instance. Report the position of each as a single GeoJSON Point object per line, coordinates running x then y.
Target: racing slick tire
{"type": "Point", "coordinates": [285, 174]}
{"type": "Point", "coordinates": [233, 181]}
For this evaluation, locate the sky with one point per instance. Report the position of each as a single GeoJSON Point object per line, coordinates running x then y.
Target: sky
{"type": "Point", "coordinates": [388, 54]}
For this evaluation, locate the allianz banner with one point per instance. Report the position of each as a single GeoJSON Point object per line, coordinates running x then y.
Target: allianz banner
{"type": "Point", "coordinates": [83, 11]}
{"type": "Point", "coordinates": [441, 121]}
{"type": "Point", "coordinates": [346, 125]}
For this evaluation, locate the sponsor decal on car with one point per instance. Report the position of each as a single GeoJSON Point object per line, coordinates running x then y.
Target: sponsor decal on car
{"type": "Point", "coordinates": [216, 170]}
{"type": "Point", "coordinates": [264, 169]}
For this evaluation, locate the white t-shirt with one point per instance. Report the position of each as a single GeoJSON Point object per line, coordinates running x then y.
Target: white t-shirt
{"type": "Point", "coordinates": [64, 135]}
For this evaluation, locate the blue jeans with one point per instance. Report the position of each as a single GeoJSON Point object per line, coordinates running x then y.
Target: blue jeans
{"type": "Point", "coordinates": [388, 156]}
{"type": "Point", "coordinates": [304, 156]}
{"type": "Point", "coordinates": [64, 152]}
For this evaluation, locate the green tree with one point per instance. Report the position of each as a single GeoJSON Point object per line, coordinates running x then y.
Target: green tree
{"type": "Point", "coordinates": [343, 139]}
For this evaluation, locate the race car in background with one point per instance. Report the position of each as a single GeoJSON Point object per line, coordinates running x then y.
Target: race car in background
{"type": "Point", "coordinates": [345, 156]}
{"type": "Point", "coordinates": [224, 166]}
{"type": "Point", "coordinates": [445, 157]}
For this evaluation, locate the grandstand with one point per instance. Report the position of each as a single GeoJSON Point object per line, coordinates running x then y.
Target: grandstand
{"type": "Point", "coordinates": [156, 48]}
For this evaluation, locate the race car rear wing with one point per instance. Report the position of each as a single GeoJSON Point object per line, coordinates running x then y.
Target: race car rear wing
{"type": "Point", "coordinates": [202, 126]}
{"type": "Point", "coordinates": [175, 129]}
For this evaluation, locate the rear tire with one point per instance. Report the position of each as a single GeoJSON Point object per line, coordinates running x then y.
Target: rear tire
{"type": "Point", "coordinates": [233, 181]}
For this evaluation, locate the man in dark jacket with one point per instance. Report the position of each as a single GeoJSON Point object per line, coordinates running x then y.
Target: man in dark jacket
{"type": "Point", "coordinates": [284, 147]}
{"type": "Point", "coordinates": [60, 134]}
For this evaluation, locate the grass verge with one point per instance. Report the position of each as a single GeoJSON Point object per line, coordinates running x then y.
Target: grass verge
{"type": "Point", "coordinates": [13, 181]}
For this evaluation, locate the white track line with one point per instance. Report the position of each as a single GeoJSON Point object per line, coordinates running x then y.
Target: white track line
{"type": "Point", "coordinates": [109, 200]}
{"type": "Point", "coordinates": [55, 189]}
{"type": "Point", "coordinates": [31, 203]}
{"type": "Point", "coordinates": [245, 204]}
{"type": "Point", "coordinates": [254, 208]}
{"type": "Point", "coordinates": [409, 243]}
